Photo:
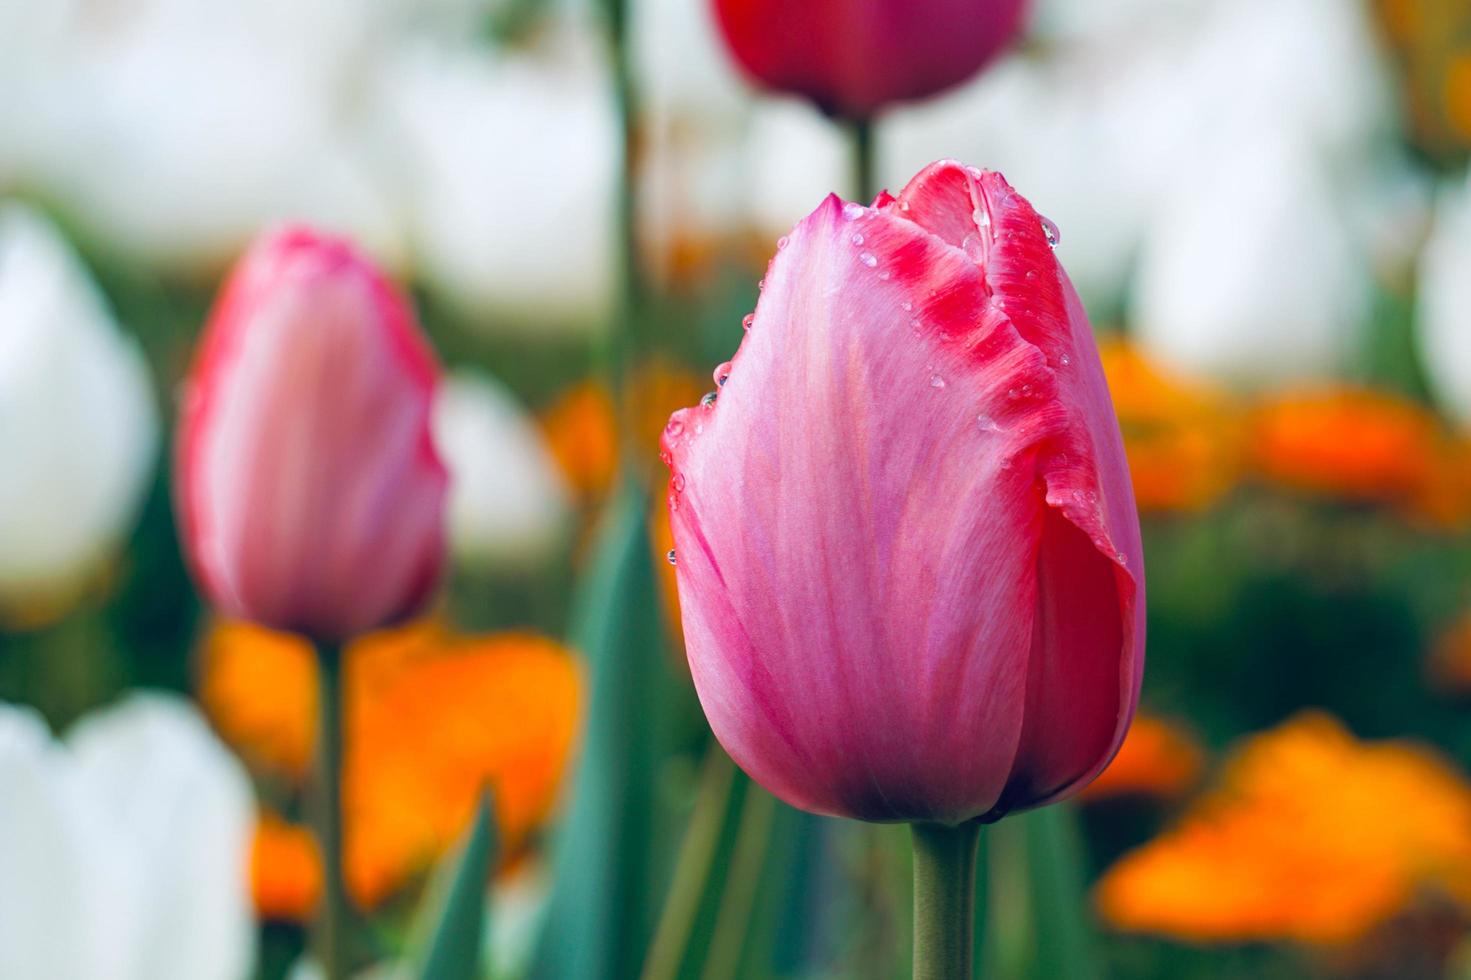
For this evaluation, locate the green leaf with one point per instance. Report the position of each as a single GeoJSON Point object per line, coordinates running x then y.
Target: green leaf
{"type": "Point", "coordinates": [1037, 921]}
{"type": "Point", "coordinates": [600, 917]}
{"type": "Point", "coordinates": [1066, 945]}
{"type": "Point", "coordinates": [456, 917]}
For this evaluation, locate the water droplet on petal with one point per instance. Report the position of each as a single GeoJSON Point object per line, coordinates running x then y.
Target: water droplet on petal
{"type": "Point", "coordinates": [851, 211]}
{"type": "Point", "coordinates": [674, 428]}
{"type": "Point", "coordinates": [868, 259]}
{"type": "Point", "coordinates": [907, 306]}
{"type": "Point", "coordinates": [671, 557]}
{"type": "Point", "coordinates": [1123, 559]}
{"type": "Point", "coordinates": [1065, 360]}
{"type": "Point", "coordinates": [936, 381]}
{"type": "Point", "coordinates": [760, 285]}
{"type": "Point", "coordinates": [679, 483]}
{"type": "Point", "coordinates": [722, 375]}
{"type": "Point", "coordinates": [987, 423]}
{"type": "Point", "coordinates": [782, 242]}
{"type": "Point", "coordinates": [884, 274]}
{"type": "Point", "coordinates": [1054, 237]}
{"type": "Point", "coordinates": [857, 238]}
{"type": "Point", "coordinates": [747, 320]}
{"type": "Point", "coordinates": [903, 205]}
{"type": "Point", "coordinates": [709, 399]}
{"type": "Point", "coordinates": [1031, 274]}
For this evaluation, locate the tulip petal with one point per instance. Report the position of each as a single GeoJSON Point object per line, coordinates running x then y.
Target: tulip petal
{"type": "Point", "coordinates": [906, 541]}
{"type": "Point", "coordinates": [1086, 662]}
{"type": "Point", "coordinates": [870, 415]}
{"type": "Point", "coordinates": [311, 492]}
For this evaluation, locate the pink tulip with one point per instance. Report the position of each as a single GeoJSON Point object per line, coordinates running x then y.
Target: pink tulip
{"type": "Point", "coordinates": [908, 555]}
{"type": "Point", "coordinates": [310, 494]}
{"type": "Point", "coordinates": [852, 57]}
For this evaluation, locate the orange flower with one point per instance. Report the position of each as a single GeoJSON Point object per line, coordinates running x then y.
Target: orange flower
{"type": "Point", "coordinates": [1157, 759]}
{"type": "Point", "coordinates": [496, 713]}
{"type": "Point", "coordinates": [1352, 443]}
{"type": "Point", "coordinates": [285, 871]}
{"type": "Point", "coordinates": [581, 431]}
{"type": "Point", "coordinates": [581, 426]}
{"type": "Point", "coordinates": [260, 689]}
{"type": "Point", "coordinates": [432, 720]}
{"type": "Point", "coordinates": [1181, 436]}
{"type": "Point", "coordinates": [1311, 835]}
{"type": "Point", "coordinates": [1445, 501]}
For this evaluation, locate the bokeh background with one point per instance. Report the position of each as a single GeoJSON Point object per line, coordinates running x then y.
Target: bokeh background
{"type": "Point", "coordinates": [1266, 208]}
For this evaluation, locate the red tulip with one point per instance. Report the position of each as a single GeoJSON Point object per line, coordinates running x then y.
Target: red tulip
{"type": "Point", "coordinates": [908, 555]}
{"type": "Point", "coordinates": [310, 494]}
{"type": "Point", "coordinates": [852, 57]}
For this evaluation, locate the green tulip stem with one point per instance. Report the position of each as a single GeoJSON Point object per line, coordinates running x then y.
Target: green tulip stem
{"type": "Point", "coordinates": [944, 899]}
{"type": "Point", "coordinates": [864, 181]}
{"type": "Point", "coordinates": [624, 340]}
{"type": "Point", "coordinates": [325, 805]}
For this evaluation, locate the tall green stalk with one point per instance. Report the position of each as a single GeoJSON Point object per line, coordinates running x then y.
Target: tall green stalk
{"type": "Point", "coordinates": [865, 183]}
{"type": "Point", "coordinates": [944, 900]}
{"type": "Point", "coordinates": [623, 341]}
{"type": "Point", "coordinates": [325, 806]}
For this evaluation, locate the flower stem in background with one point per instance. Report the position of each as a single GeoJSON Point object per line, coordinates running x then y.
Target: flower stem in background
{"type": "Point", "coordinates": [330, 936]}
{"type": "Point", "coordinates": [861, 134]}
{"type": "Point", "coordinates": [623, 339]}
{"type": "Point", "coordinates": [944, 899]}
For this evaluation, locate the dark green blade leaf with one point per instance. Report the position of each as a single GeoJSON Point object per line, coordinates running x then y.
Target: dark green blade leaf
{"type": "Point", "coordinates": [1066, 945]}
{"type": "Point", "coordinates": [456, 902]}
{"type": "Point", "coordinates": [1037, 920]}
{"type": "Point", "coordinates": [600, 918]}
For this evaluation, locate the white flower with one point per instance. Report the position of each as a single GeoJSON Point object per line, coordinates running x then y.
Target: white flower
{"type": "Point", "coordinates": [78, 425]}
{"type": "Point", "coordinates": [1248, 273]}
{"type": "Point", "coordinates": [1099, 128]}
{"type": "Point", "coordinates": [508, 165]}
{"type": "Point", "coordinates": [794, 158]}
{"type": "Point", "coordinates": [125, 849]}
{"type": "Point", "coordinates": [175, 129]}
{"type": "Point", "coordinates": [507, 500]}
{"type": "Point", "coordinates": [1443, 316]}
{"type": "Point", "coordinates": [694, 111]}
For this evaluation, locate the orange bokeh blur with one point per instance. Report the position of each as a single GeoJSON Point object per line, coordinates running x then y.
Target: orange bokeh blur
{"type": "Point", "coordinates": [1158, 759]}
{"type": "Point", "coordinates": [433, 719]}
{"type": "Point", "coordinates": [1182, 436]}
{"type": "Point", "coordinates": [1311, 835]}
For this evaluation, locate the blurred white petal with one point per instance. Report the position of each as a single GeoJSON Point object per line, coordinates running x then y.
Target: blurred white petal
{"type": "Point", "coordinates": [78, 426]}
{"type": "Point", "coordinates": [795, 157]}
{"type": "Point", "coordinates": [684, 68]}
{"type": "Point", "coordinates": [1444, 311]}
{"type": "Point", "coordinates": [181, 809]}
{"type": "Point", "coordinates": [1248, 273]}
{"type": "Point", "coordinates": [123, 852]}
{"type": "Point", "coordinates": [508, 168]}
{"type": "Point", "coordinates": [507, 499]}
{"type": "Point", "coordinates": [174, 129]}
{"type": "Point", "coordinates": [1098, 129]}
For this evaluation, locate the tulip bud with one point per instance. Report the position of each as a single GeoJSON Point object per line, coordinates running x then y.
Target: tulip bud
{"type": "Point", "coordinates": [853, 57]}
{"type": "Point", "coordinates": [310, 494]}
{"type": "Point", "coordinates": [908, 555]}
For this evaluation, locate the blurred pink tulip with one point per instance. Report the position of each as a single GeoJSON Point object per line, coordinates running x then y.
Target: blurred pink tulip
{"type": "Point", "coordinates": [908, 555]}
{"type": "Point", "coordinates": [310, 494]}
{"type": "Point", "coordinates": [852, 57]}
